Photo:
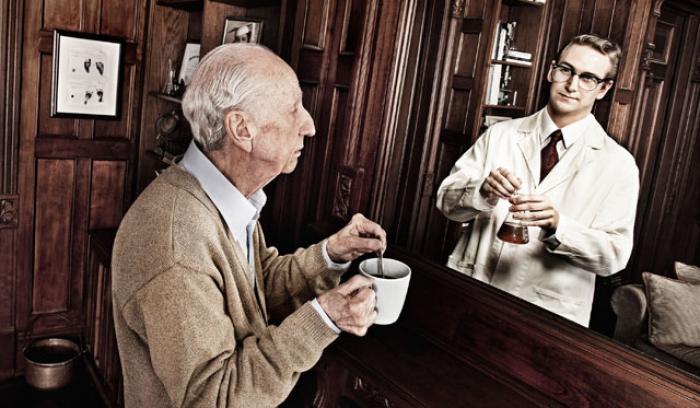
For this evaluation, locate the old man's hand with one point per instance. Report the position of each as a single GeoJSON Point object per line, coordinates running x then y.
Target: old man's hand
{"type": "Point", "coordinates": [351, 305]}
{"type": "Point", "coordinates": [360, 236]}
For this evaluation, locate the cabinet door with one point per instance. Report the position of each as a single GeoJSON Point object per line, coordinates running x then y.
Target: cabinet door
{"type": "Point", "coordinates": [666, 146]}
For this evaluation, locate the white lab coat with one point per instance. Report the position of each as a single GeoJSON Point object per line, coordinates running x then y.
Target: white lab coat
{"type": "Point", "coordinates": [594, 186]}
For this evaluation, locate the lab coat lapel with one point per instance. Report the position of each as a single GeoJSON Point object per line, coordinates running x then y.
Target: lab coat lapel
{"type": "Point", "coordinates": [529, 145]}
{"type": "Point", "coordinates": [579, 156]}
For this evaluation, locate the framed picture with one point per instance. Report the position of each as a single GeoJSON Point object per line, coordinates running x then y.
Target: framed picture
{"type": "Point", "coordinates": [86, 75]}
{"type": "Point", "coordinates": [242, 30]}
{"type": "Point", "coordinates": [190, 60]}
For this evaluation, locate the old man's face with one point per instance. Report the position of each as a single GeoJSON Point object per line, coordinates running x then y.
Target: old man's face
{"type": "Point", "coordinates": [284, 124]}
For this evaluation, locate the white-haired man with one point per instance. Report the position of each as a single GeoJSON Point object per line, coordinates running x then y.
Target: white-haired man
{"type": "Point", "coordinates": [194, 285]}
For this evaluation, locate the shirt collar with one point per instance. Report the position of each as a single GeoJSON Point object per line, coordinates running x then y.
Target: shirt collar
{"type": "Point", "coordinates": [570, 133]}
{"type": "Point", "coordinates": [237, 210]}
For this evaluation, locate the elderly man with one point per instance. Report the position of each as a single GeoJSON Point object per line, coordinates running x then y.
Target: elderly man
{"type": "Point", "coordinates": [579, 191]}
{"type": "Point", "coordinates": [194, 284]}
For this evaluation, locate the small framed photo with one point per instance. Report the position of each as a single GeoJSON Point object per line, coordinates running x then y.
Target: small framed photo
{"type": "Point", "coordinates": [242, 30]}
{"type": "Point", "coordinates": [190, 60]}
{"type": "Point", "coordinates": [86, 75]}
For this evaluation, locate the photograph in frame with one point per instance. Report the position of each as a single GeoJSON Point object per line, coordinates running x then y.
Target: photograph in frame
{"type": "Point", "coordinates": [190, 60]}
{"type": "Point", "coordinates": [242, 30]}
{"type": "Point", "coordinates": [86, 75]}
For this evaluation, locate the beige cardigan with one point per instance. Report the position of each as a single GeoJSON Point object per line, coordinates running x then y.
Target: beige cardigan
{"type": "Point", "coordinates": [191, 330]}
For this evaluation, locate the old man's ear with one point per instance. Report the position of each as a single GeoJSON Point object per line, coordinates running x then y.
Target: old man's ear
{"type": "Point", "coordinates": [238, 125]}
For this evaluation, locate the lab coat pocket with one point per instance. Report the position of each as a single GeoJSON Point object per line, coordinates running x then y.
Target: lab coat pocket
{"type": "Point", "coordinates": [566, 306]}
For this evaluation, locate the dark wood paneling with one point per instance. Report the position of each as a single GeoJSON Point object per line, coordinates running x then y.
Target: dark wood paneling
{"type": "Point", "coordinates": [121, 21]}
{"type": "Point", "coordinates": [672, 124]}
{"type": "Point", "coordinates": [10, 42]}
{"type": "Point", "coordinates": [55, 167]}
{"type": "Point", "coordinates": [64, 15]}
{"type": "Point", "coordinates": [48, 125]}
{"type": "Point", "coordinates": [317, 19]}
{"type": "Point", "coordinates": [107, 194]}
{"type": "Point", "coordinates": [214, 16]}
{"type": "Point", "coordinates": [7, 344]}
{"type": "Point", "coordinates": [7, 251]}
{"type": "Point", "coordinates": [119, 129]}
{"type": "Point", "coordinates": [62, 148]}
{"type": "Point", "coordinates": [55, 189]}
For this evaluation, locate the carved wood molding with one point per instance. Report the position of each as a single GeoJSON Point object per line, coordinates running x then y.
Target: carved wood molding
{"type": "Point", "coordinates": [458, 8]}
{"type": "Point", "coordinates": [657, 8]}
{"type": "Point", "coordinates": [369, 393]}
{"type": "Point", "coordinates": [10, 65]}
{"type": "Point", "coordinates": [348, 188]}
{"type": "Point", "coordinates": [8, 211]}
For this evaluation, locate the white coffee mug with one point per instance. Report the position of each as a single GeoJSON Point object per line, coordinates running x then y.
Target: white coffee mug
{"type": "Point", "coordinates": [390, 290]}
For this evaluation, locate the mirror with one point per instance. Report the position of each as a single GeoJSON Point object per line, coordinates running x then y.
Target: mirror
{"type": "Point", "coordinates": [444, 117]}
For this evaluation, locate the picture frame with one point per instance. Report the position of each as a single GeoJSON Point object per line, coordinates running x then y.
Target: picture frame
{"type": "Point", "coordinates": [190, 60]}
{"type": "Point", "coordinates": [242, 30]}
{"type": "Point", "coordinates": [86, 75]}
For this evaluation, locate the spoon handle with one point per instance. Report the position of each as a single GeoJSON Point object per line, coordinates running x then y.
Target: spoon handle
{"type": "Point", "coordinates": [380, 263]}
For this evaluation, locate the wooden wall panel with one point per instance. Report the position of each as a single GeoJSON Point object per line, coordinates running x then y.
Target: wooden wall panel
{"type": "Point", "coordinates": [214, 16]}
{"type": "Point", "coordinates": [55, 191]}
{"type": "Point", "coordinates": [465, 56]}
{"type": "Point", "coordinates": [49, 126]}
{"type": "Point", "coordinates": [7, 250]}
{"type": "Point", "coordinates": [63, 15]}
{"type": "Point", "coordinates": [55, 167]}
{"type": "Point", "coordinates": [457, 105]}
{"type": "Point", "coordinates": [120, 21]}
{"type": "Point", "coordinates": [107, 195]}
{"type": "Point", "coordinates": [317, 19]}
{"type": "Point", "coordinates": [119, 129]}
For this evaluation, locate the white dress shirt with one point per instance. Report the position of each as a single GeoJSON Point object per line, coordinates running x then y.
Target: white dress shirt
{"type": "Point", "coordinates": [240, 214]}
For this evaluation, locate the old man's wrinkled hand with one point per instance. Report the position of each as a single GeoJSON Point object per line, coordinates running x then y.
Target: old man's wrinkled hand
{"type": "Point", "coordinates": [360, 236]}
{"type": "Point", "coordinates": [351, 305]}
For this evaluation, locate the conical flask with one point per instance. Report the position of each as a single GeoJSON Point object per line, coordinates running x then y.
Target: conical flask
{"type": "Point", "coordinates": [513, 231]}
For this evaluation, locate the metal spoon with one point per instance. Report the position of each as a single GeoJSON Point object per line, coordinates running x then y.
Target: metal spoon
{"type": "Point", "coordinates": [380, 263]}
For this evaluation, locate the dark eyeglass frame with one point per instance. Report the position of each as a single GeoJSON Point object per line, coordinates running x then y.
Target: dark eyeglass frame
{"type": "Point", "coordinates": [573, 73]}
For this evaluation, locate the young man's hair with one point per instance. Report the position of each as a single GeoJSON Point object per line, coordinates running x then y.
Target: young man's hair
{"type": "Point", "coordinates": [600, 44]}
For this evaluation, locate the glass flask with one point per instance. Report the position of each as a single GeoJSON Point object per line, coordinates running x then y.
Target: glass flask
{"type": "Point", "coordinates": [513, 231]}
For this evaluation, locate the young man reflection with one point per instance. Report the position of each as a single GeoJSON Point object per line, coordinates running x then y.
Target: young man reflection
{"type": "Point", "coordinates": [580, 194]}
{"type": "Point", "coordinates": [194, 284]}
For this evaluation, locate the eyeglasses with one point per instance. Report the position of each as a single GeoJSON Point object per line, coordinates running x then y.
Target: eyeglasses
{"type": "Point", "coordinates": [586, 80]}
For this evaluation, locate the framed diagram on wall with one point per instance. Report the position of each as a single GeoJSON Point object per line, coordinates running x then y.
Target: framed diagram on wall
{"type": "Point", "coordinates": [86, 75]}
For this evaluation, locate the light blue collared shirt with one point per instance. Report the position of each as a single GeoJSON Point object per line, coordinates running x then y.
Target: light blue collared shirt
{"type": "Point", "coordinates": [240, 214]}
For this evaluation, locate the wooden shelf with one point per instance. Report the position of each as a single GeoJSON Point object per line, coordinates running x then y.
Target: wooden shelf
{"type": "Point", "coordinates": [173, 99]}
{"type": "Point", "coordinates": [249, 3]}
{"type": "Point", "coordinates": [504, 108]}
{"type": "Point", "coordinates": [523, 3]}
{"type": "Point", "coordinates": [512, 63]}
{"type": "Point", "coordinates": [187, 5]}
